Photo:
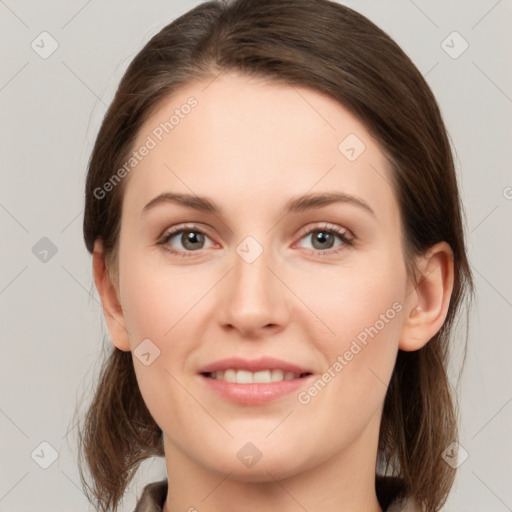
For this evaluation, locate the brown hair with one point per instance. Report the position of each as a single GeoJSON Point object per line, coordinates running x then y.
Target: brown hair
{"type": "Point", "coordinates": [334, 50]}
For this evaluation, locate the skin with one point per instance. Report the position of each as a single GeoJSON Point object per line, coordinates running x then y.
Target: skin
{"type": "Point", "coordinates": [250, 146]}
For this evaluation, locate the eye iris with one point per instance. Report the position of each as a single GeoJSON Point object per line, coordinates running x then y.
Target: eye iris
{"type": "Point", "coordinates": [192, 237]}
{"type": "Point", "coordinates": [322, 236]}
{"type": "Point", "coordinates": [322, 239]}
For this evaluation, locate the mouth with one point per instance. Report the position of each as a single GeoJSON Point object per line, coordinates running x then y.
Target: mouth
{"type": "Point", "coordinates": [253, 382]}
{"type": "Point", "coordinates": [238, 376]}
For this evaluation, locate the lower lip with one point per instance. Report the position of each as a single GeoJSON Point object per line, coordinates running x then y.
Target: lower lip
{"type": "Point", "coordinates": [255, 394]}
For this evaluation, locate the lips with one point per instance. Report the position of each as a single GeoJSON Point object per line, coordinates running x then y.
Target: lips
{"type": "Point", "coordinates": [254, 365]}
{"type": "Point", "coordinates": [254, 382]}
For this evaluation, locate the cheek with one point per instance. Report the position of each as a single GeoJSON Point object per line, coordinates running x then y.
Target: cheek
{"type": "Point", "coordinates": [156, 300]}
{"type": "Point", "coordinates": [160, 308]}
{"type": "Point", "coordinates": [148, 312]}
{"type": "Point", "coordinates": [356, 323]}
{"type": "Point", "coordinates": [348, 301]}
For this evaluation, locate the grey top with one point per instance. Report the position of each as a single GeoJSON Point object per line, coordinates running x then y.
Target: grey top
{"type": "Point", "coordinates": [387, 488]}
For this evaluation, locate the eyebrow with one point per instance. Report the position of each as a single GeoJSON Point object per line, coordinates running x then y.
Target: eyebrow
{"type": "Point", "coordinates": [295, 204]}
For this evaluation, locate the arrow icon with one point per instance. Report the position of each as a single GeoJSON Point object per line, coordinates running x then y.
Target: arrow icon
{"type": "Point", "coordinates": [450, 454]}
{"type": "Point", "coordinates": [44, 250]}
{"type": "Point", "coordinates": [454, 45]}
{"type": "Point", "coordinates": [147, 352]}
{"type": "Point", "coordinates": [454, 455]}
{"type": "Point", "coordinates": [249, 455]}
{"type": "Point", "coordinates": [249, 249]}
{"type": "Point", "coordinates": [44, 44]}
{"type": "Point", "coordinates": [351, 147]}
{"type": "Point", "coordinates": [44, 455]}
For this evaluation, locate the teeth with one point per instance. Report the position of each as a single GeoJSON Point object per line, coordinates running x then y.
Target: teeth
{"type": "Point", "coordinates": [247, 377]}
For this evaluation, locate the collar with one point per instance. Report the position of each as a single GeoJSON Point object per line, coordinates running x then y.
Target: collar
{"type": "Point", "coordinates": [390, 493]}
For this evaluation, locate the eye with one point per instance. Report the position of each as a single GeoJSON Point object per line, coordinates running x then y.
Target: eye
{"type": "Point", "coordinates": [191, 238]}
{"type": "Point", "coordinates": [323, 237]}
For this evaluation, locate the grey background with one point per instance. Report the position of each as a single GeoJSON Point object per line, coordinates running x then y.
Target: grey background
{"type": "Point", "coordinates": [52, 325]}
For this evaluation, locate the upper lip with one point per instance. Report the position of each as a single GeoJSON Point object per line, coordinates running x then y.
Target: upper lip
{"type": "Point", "coordinates": [252, 365]}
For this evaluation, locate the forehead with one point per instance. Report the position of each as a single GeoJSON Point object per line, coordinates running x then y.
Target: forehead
{"type": "Point", "coordinates": [252, 142]}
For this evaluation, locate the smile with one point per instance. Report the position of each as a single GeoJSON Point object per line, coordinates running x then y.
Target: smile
{"type": "Point", "coordinates": [259, 377]}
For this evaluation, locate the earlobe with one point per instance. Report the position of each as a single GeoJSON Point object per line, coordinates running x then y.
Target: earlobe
{"type": "Point", "coordinates": [112, 310]}
{"type": "Point", "coordinates": [427, 304]}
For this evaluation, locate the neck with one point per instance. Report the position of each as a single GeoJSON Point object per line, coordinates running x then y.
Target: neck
{"type": "Point", "coordinates": [343, 483]}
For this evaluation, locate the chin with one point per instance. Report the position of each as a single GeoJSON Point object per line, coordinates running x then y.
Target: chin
{"type": "Point", "coordinates": [267, 468]}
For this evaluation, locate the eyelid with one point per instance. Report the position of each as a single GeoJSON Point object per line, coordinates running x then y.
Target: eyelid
{"type": "Point", "coordinates": [344, 234]}
{"type": "Point", "coordinates": [192, 226]}
{"type": "Point", "coordinates": [326, 226]}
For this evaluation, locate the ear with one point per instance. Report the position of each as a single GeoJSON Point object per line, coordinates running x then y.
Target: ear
{"type": "Point", "coordinates": [429, 297]}
{"type": "Point", "coordinates": [111, 307]}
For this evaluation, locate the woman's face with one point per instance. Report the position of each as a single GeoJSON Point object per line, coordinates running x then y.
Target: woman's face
{"type": "Point", "coordinates": [278, 270]}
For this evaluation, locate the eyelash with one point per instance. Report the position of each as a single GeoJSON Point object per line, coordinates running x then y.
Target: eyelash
{"type": "Point", "coordinates": [325, 228]}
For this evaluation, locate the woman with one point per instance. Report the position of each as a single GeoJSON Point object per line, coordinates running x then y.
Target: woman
{"type": "Point", "coordinates": [269, 371]}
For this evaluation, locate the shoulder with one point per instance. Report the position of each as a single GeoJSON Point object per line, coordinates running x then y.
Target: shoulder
{"type": "Point", "coordinates": [153, 497]}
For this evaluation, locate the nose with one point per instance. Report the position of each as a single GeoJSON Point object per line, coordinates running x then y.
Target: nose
{"type": "Point", "coordinates": [254, 299]}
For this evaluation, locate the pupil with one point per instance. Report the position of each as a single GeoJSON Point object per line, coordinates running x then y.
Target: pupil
{"type": "Point", "coordinates": [322, 236]}
{"type": "Point", "coordinates": [192, 237]}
